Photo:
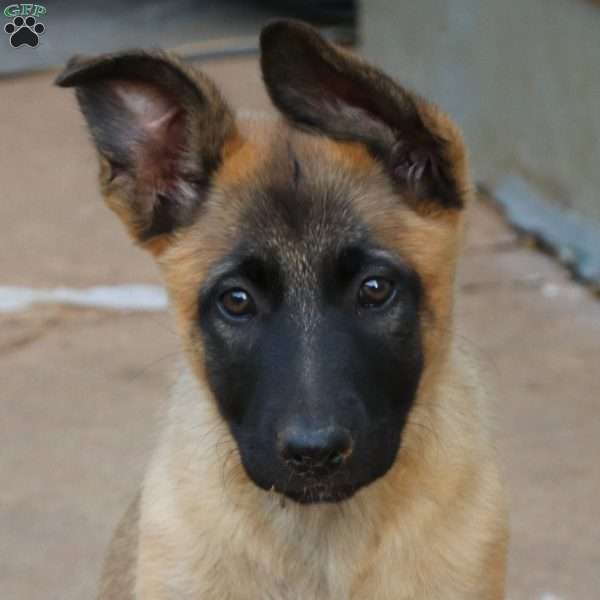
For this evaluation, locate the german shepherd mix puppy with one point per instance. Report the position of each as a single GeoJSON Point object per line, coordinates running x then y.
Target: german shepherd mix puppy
{"type": "Point", "coordinates": [327, 440]}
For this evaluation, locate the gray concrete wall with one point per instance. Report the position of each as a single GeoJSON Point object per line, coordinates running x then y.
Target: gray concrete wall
{"type": "Point", "coordinates": [522, 77]}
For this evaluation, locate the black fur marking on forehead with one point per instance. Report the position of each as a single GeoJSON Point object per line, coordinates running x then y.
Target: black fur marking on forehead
{"type": "Point", "coordinates": [286, 200]}
{"type": "Point", "coordinates": [302, 196]}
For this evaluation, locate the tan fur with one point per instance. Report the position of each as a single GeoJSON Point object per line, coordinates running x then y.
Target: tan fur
{"type": "Point", "coordinates": [434, 528]}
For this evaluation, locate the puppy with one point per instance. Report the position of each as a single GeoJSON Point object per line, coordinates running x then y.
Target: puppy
{"type": "Point", "coordinates": [327, 439]}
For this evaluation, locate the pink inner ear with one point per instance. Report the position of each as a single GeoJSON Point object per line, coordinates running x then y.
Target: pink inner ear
{"type": "Point", "coordinates": [152, 110]}
{"type": "Point", "coordinates": [157, 125]}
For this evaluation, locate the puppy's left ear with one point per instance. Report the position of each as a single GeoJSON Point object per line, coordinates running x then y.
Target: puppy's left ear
{"type": "Point", "coordinates": [325, 89]}
{"type": "Point", "coordinates": [159, 128]}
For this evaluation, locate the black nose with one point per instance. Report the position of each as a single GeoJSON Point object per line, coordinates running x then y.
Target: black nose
{"type": "Point", "coordinates": [315, 452]}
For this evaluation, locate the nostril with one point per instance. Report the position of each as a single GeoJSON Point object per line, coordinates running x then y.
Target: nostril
{"type": "Point", "coordinates": [315, 449]}
{"type": "Point", "coordinates": [336, 458]}
{"type": "Point", "coordinates": [298, 459]}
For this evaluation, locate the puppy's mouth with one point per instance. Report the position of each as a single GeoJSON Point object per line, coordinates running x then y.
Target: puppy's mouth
{"type": "Point", "coordinates": [320, 492]}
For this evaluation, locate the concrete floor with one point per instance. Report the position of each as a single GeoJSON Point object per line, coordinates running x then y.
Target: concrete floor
{"type": "Point", "coordinates": [80, 389]}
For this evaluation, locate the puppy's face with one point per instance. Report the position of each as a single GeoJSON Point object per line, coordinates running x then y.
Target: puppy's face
{"type": "Point", "coordinates": [309, 327]}
{"type": "Point", "coordinates": [309, 262]}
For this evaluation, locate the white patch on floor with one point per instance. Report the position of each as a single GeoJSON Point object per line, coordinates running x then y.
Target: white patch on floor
{"type": "Point", "coordinates": [110, 297]}
{"type": "Point", "coordinates": [550, 597]}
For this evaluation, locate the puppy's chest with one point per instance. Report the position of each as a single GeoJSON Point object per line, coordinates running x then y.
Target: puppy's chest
{"type": "Point", "coordinates": [248, 580]}
{"type": "Point", "coordinates": [268, 586]}
{"type": "Point", "coordinates": [278, 576]}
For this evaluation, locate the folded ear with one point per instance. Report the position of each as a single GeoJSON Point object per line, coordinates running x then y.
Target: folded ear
{"type": "Point", "coordinates": [322, 88]}
{"type": "Point", "coordinates": [159, 129]}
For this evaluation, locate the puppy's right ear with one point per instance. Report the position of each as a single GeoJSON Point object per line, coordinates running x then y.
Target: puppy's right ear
{"type": "Point", "coordinates": [159, 129]}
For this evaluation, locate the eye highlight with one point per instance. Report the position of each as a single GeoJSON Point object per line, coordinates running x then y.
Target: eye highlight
{"type": "Point", "coordinates": [375, 292]}
{"type": "Point", "coordinates": [237, 303]}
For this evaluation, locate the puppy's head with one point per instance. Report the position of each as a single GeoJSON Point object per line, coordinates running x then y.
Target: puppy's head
{"type": "Point", "coordinates": [309, 260]}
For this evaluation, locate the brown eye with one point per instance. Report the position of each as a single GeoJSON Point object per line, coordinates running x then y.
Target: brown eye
{"type": "Point", "coordinates": [237, 303]}
{"type": "Point", "coordinates": [375, 292]}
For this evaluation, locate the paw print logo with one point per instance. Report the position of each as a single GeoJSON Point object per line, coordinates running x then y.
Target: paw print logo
{"type": "Point", "coordinates": [24, 31]}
